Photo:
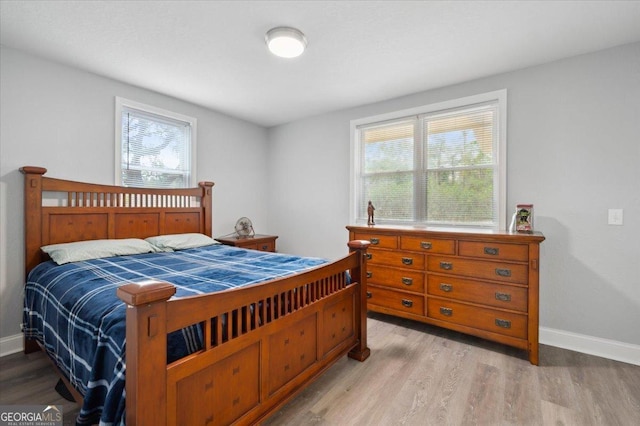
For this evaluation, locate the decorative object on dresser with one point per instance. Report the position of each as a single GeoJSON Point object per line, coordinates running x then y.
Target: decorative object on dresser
{"type": "Point", "coordinates": [256, 242]}
{"type": "Point", "coordinates": [483, 283]}
{"type": "Point", "coordinates": [522, 219]}
{"type": "Point", "coordinates": [256, 346]}
{"type": "Point", "coordinates": [370, 213]}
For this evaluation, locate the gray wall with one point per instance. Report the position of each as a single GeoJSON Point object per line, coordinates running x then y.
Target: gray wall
{"type": "Point", "coordinates": [573, 151]}
{"type": "Point", "coordinates": [63, 119]}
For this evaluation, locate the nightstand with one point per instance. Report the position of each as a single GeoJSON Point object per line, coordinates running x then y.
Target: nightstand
{"type": "Point", "coordinates": [257, 242]}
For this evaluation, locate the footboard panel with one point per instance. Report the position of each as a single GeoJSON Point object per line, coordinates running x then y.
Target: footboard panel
{"type": "Point", "coordinates": [291, 351]}
{"type": "Point", "coordinates": [220, 393]}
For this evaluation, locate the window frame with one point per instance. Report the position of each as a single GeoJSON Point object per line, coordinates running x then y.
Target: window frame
{"type": "Point", "coordinates": [122, 103]}
{"type": "Point", "coordinates": [498, 96]}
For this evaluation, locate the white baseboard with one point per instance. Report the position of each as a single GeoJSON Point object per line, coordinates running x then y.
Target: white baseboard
{"type": "Point", "coordinates": [11, 344]}
{"type": "Point", "coordinates": [605, 348]}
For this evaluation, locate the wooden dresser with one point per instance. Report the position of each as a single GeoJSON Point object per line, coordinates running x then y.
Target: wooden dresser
{"type": "Point", "coordinates": [256, 242]}
{"type": "Point", "coordinates": [483, 283]}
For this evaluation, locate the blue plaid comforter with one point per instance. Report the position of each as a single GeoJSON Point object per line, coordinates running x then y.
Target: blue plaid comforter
{"type": "Point", "coordinates": [74, 312]}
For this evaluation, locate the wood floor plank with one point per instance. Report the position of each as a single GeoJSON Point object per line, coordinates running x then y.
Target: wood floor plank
{"type": "Point", "coordinates": [553, 414]}
{"type": "Point", "coordinates": [484, 404]}
{"type": "Point", "coordinates": [520, 383]}
{"type": "Point", "coordinates": [556, 384]}
{"type": "Point", "coordinates": [453, 393]}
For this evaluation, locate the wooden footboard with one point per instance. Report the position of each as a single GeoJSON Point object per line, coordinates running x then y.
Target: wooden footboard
{"type": "Point", "coordinates": [264, 343]}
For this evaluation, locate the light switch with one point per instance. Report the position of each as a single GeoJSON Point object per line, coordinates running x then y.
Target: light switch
{"type": "Point", "coordinates": [615, 216]}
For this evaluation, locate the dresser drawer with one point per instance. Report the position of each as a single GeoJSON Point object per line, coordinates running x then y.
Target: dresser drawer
{"type": "Point", "coordinates": [485, 293]}
{"type": "Point", "coordinates": [496, 271]}
{"type": "Point", "coordinates": [396, 300]}
{"type": "Point", "coordinates": [378, 240]}
{"type": "Point", "coordinates": [403, 279]}
{"type": "Point", "coordinates": [396, 258]}
{"type": "Point", "coordinates": [431, 245]}
{"type": "Point", "coordinates": [506, 323]}
{"type": "Point", "coordinates": [490, 250]}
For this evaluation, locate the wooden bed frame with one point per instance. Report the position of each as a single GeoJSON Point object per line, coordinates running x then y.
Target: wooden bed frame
{"type": "Point", "coordinates": [263, 343]}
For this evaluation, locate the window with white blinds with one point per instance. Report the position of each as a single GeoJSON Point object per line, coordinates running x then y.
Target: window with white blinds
{"type": "Point", "coordinates": [442, 165]}
{"type": "Point", "coordinates": [154, 148]}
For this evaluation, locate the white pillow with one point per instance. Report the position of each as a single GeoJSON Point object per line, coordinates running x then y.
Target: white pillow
{"type": "Point", "coordinates": [95, 249]}
{"type": "Point", "coordinates": [180, 241]}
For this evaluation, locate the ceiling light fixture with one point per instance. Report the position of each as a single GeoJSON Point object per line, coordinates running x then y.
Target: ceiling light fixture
{"type": "Point", "coordinates": [286, 42]}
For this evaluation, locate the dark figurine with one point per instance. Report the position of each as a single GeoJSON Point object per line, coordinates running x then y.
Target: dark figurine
{"type": "Point", "coordinates": [370, 210]}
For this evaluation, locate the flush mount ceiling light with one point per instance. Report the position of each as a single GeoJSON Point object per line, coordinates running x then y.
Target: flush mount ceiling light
{"type": "Point", "coordinates": [286, 42]}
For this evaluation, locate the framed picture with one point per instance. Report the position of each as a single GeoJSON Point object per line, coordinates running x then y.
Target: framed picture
{"type": "Point", "coordinates": [524, 218]}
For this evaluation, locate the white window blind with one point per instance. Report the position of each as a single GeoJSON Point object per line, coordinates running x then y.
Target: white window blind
{"type": "Point", "coordinates": [155, 150]}
{"type": "Point", "coordinates": [388, 165]}
{"type": "Point", "coordinates": [437, 168]}
{"type": "Point", "coordinates": [460, 167]}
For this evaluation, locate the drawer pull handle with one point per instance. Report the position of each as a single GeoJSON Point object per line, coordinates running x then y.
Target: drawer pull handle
{"type": "Point", "coordinates": [369, 256]}
{"type": "Point", "coordinates": [446, 287]}
{"type": "Point", "coordinates": [503, 323]}
{"type": "Point", "coordinates": [492, 251]}
{"type": "Point", "coordinates": [407, 281]}
{"type": "Point", "coordinates": [446, 311]}
{"type": "Point", "coordinates": [503, 272]}
{"type": "Point", "coordinates": [375, 241]}
{"type": "Point", "coordinates": [407, 261]}
{"type": "Point", "coordinates": [369, 295]}
{"type": "Point", "coordinates": [505, 297]}
{"type": "Point", "coordinates": [370, 274]}
{"type": "Point", "coordinates": [446, 265]}
{"type": "Point", "coordinates": [425, 245]}
{"type": "Point", "coordinates": [407, 303]}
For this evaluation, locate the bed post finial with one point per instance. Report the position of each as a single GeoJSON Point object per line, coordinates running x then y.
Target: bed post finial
{"type": "Point", "coordinates": [33, 170]}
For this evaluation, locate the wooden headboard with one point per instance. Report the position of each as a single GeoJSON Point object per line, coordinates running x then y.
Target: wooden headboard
{"type": "Point", "coordinates": [61, 211]}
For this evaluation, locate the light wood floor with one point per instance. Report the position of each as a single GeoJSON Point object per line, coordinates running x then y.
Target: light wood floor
{"type": "Point", "coordinates": [422, 375]}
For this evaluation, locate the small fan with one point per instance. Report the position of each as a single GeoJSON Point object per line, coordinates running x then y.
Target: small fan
{"type": "Point", "coordinates": [244, 228]}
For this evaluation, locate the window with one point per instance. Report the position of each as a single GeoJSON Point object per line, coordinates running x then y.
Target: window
{"type": "Point", "coordinates": [438, 165]}
{"type": "Point", "coordinates": [154, 148]}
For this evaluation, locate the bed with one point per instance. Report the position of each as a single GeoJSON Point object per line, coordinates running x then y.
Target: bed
{"type": "Point", "coordinates": [257, 345]}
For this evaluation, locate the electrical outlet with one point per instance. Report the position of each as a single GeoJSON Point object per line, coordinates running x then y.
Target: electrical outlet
{"type": "Point", "coordinates": [615, 216]}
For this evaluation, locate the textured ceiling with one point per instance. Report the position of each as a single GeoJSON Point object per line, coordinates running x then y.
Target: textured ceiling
{"type": "Point", "coordinates": [212, 53]}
